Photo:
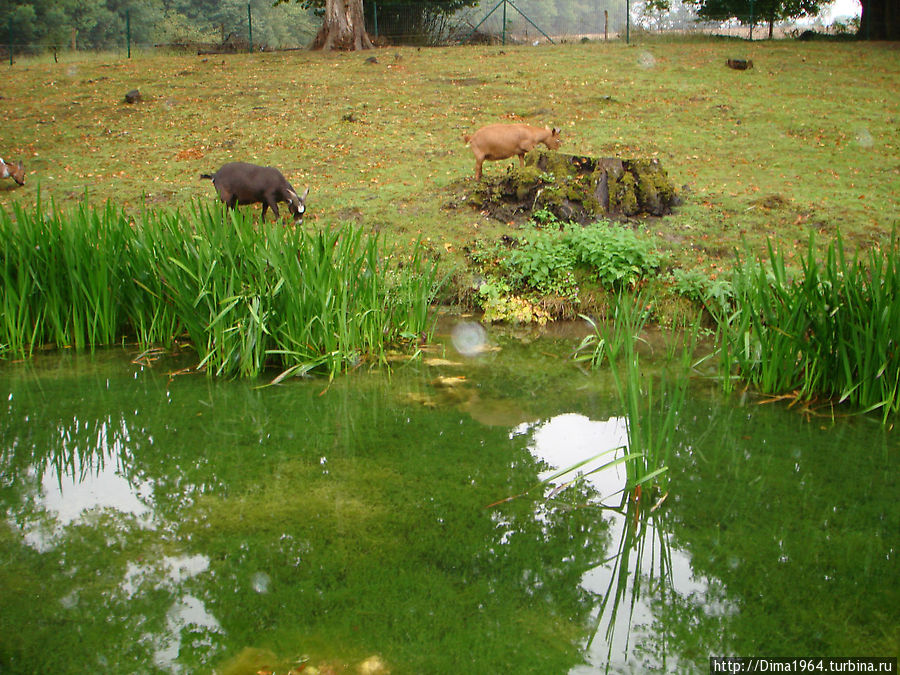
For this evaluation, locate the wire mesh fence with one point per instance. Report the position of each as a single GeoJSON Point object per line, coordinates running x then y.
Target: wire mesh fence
{"type": "Point", "coordinates": [531, 22]}
{"type": "Point", "coordinates": [496, 21]}
{"type": "Point", "coordinates": [239, 26]}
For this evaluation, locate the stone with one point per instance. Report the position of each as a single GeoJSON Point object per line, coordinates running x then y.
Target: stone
{"type": "Point", "coordinates": [739, 64]}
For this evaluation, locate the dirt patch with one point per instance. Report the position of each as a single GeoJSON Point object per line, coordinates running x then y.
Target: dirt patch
{"type": "Point", "coordinates": [770, 202]}
{"type": "Point", "coordinates": [578, 189]}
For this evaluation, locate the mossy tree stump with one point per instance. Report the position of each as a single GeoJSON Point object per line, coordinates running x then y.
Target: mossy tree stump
{"type": "Point", "coordinates": [578, 189]}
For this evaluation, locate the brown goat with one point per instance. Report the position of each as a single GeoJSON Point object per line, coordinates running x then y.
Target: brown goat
{"type": "Point", "coordinates": [15, 171]}
{"type": "Point", "coordinates": [499, 141]}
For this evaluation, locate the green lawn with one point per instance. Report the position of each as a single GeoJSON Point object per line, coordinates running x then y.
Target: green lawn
{"type": "Point", "coordinates": [805, 141]}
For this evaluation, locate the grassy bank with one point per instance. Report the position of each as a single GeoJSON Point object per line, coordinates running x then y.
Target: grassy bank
{"type": "Point", "coordinates": [806, 140]}
{"type": "Point", "coordinates": [802, 144]}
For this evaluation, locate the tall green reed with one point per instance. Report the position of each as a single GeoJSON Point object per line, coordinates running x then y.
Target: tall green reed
{"type": "Point", "coordinates": [829, 331]}
{"type": "Point", "coordinates": [248, 296]}
{"type": "Point", "coordinates": [652, 404]}
{"type": "Point", "coordinates": [61, 277]}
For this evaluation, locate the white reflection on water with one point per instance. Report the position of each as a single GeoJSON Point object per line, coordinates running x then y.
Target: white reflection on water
{"type": "Point", "coordinates": [186, 612]}
{"type": "Point", "coordinates": [87, 477]}
{"type": "Point", "coordinates": [88, 482]}
{"type": "Point", "coordinates": [169, 573]}
{"type": "Point", "coordinates": [564, 441]}
{"type": "Point", "coordinates": [187, 617]}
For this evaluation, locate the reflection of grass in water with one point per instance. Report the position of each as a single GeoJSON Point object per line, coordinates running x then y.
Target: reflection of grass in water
{"type": "Point", "coordinates": [382, 548]}
{"type": "Point", "coordinates": [642, 564]}
{"type": "Point", "coordinates": [642, 561]}
{"type": "Point", "coordinates": [364, 515]}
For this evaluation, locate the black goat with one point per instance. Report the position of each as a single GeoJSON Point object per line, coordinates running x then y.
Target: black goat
{"type": "Point", "coordinates": [243, 183]}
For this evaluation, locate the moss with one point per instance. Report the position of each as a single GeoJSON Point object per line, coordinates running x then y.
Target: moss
{"type": "Point", "coordinates": [589, 194]}
{"type": "Point", "coordinates": [654, 192]}
{"type": "Point", "coordinates": [552, 163]}
{"type": "Point", "coordinates": [481, 194]}
{"type": "Point", "coordinates": [578, 189]}
{"type": "Point", "coordinates": [624, 198]}
{"type": "Point", "coordinates": [526, 180]}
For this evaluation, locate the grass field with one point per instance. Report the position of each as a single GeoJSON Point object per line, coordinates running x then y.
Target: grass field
{"type": "Point", "coordinates": [805, 141]}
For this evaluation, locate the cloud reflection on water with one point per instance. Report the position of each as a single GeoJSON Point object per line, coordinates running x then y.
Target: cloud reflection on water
{"type": "Point", "coordinates": [625, 641]}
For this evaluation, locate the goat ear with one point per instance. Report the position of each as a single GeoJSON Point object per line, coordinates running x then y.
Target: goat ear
{"type": "Point", "coordinates": [305, 192]}
{"type": "Point", "coordinates": [556, 131]}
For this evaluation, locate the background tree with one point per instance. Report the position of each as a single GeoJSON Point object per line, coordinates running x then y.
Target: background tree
{"type": "Point", "coordinates": [343, 24]}
{"type": "Point", "coordinates": [346, 23]}
{"type": "Point", "coordinates": [751, 12]}
{"type": "Point", "coordinates": [880, 20]}
{"type": "Point", "coordinates": [413, 21]}
{"type": "Point", "coordinates": [100, 24]}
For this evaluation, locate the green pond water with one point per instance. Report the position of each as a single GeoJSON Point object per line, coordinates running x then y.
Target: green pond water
{"type": "Point", "coordinates": [176, 524]}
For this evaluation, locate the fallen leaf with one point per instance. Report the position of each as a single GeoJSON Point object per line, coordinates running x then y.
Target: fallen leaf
{"type": "Point", "coordinates": [449, 382]}
{"type": "Point", "coordinates": [441, 362]}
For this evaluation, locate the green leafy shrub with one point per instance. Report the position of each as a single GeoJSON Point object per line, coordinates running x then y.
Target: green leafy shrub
{"type": "Point", "coordinates": [616, 256]}
{"type": "Point", "coordinates": [715, 294]}
{"type": "Point", "coordinates": [545, 263]}
{"type": "Point", "coordinates": [544, 218]}
{"type": "Point", "coordinates": [552, 257]}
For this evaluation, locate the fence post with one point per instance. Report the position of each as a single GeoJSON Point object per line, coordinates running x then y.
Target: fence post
{"type": "Point", "coordinates": [128, 30]}
{"type": "Point", "coordinates": [504, 21]}
{"type": "Point", "coordinates": [250, 27]}
{"type": "Point", "coordinates": [375, 17]}
{"type": "Point", "coordinates": [751, 20]}
{"type": "Point", "coordinates": [627, 21]}
{"type": "Point", "coordinates": [10, 42]}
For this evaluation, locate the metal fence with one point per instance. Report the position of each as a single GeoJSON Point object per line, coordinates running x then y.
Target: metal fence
{"type": "Point", "coordinates": [498, 21]}
{"type": "Point", "coordinates": [540, 21]}
{"type": "Point", "coordinates": [260, 26]}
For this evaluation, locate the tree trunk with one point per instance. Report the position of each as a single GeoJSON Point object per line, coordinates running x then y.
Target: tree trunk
{"type": "Point", "coordinates": [880, 20]}
{"type": "Point", "coordinates": [344, 27]}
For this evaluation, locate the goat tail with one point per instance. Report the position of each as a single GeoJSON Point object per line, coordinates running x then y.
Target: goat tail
{"type": "Point", "coordinates": [466, 138]}
{"type": "Point", "coordinates": [206, 175]}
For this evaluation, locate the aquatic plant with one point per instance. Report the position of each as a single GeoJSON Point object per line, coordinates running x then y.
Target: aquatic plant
{"type": "Point", "coordinates": [247, 295]}
{"type": "Point", "coordinates": [829, 331]}
{"type": "Point", "coordinates": [60, 282]}
{"type": "Point", "coordinates": [651, 406]}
